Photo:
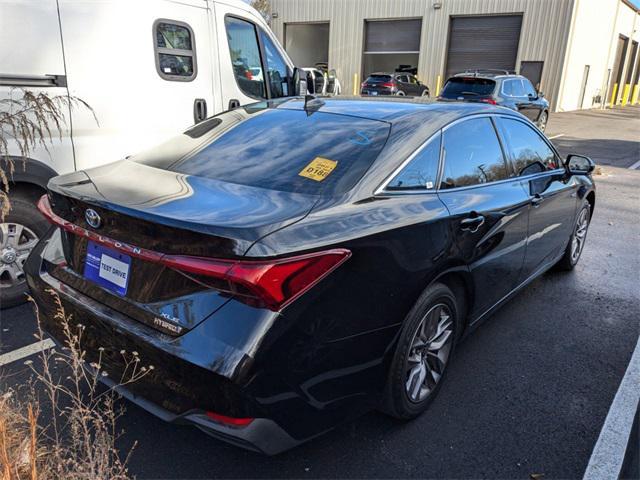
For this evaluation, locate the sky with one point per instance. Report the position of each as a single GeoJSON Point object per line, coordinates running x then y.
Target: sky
{"type": "Point", "coordinates": [636, 3]}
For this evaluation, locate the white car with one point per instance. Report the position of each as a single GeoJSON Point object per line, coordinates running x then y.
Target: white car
{"type": "Point", "coordinates": [148, 69]}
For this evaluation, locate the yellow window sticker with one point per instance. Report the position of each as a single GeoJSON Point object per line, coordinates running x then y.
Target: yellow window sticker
{"type": "Point", "coordinates": [318, 169]}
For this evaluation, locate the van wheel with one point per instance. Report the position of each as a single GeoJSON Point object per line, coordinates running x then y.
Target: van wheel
{"type": "Point", "coordinates": [19, 234]}
{"type": "Point", "coordinates": [425, 346]}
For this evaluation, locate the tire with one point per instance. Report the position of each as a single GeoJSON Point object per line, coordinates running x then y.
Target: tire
{"type": "Point", "coordinates": [425, 93]}
{"type": "Point", "coordinates": [400, 93]}
{"type": "Point", "coordinates": [542, 121]}
{"type": "Point", "coordinates": [577, 239]}
{"type": "Point", "coordinates": [19, 233]}
{"type": "Point", "coordinates": [408, 392]}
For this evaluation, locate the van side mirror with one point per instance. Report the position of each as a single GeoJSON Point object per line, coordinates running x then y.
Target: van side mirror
{"type": "Point", "coordinates": [299, 82]}
{"type": "Point", "coordinates": [579, 165]}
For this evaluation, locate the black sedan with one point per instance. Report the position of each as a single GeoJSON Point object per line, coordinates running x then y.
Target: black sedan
{"type": "Point", "coordinates": [288, 265]}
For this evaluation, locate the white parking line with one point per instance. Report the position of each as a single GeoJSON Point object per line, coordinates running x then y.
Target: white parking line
{"type": "Point", "coordinates": [635, 166]}
{"type": "Point", "coordinates": [25, 352]}
{"type": "Point", "coordinates": [556, 136]}
{"type": "Point", "coordinates": [608, 454]}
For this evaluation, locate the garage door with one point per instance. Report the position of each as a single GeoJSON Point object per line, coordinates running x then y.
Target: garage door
{"type": "Point", "coordinates": [483, 42]}
{"type": "Point", "coordinates": [390, 45]}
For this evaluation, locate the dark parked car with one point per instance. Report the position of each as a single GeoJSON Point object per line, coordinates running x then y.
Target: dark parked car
{"type": "Point", "coordinates": [399, 83]}
{"type": "Point", "coordinates": [282, 283]}
{"type": "Point", "coordinates": [499, 88]}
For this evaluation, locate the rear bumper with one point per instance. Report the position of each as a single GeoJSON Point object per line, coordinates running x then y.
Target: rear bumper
{"type": "Point", "coordinates": [261, 435]}
{"type": "Point", "coordinates": [177, 390]}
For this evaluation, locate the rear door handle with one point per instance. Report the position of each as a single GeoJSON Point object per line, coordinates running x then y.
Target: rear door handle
{"type": "Point", "coordinates": [537, 200]}
{"type": "Point", "coordinates": [472, 224]}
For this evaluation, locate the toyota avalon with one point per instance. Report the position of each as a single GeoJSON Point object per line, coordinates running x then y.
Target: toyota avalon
{"type": "Point", "coordinates": [288, 265]}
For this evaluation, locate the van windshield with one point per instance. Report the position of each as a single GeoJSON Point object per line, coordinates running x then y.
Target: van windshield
{"type": "Point", "coordinates": [289, 150]}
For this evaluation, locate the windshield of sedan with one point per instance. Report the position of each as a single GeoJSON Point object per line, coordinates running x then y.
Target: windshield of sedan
{"type": "Point", "coordinates": [467, 87]}
{"type": "Point", "coordinates": [290, 150]}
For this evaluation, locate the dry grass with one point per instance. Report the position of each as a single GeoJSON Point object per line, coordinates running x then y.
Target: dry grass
{"type": "Point", "coordinates": [28, 121]}
{"type": "Point", "coordinates": [77, 441]}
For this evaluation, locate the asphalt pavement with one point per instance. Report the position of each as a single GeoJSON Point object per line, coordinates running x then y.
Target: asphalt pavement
{"type": "Point", "coordinates": [526, 394]}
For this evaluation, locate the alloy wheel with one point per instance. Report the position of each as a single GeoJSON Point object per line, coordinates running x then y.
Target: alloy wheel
{"type": "Point", "coordinates": [429, 353]}
{"type": "Point", "coordinates": [580, 235]}
{"type": "Point", "coordinates": [542, 121]}
{"type": "Point", "coordinates": [16, 242]}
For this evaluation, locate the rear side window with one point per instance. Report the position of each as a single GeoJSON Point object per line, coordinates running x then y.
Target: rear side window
{"type": "Point", "coordinates": [529, 152]}
{"type": "Point", "coordinates": [245, 57]}
{"type": "Point", "coordinates": [472, 154]}
{"type": "Point", "coordinates": [422, 170]}
{"type": "Point", "coordinates": [468, 87]}
{"type": "Point", "coordinates": [175, 50]}
{"type": "Point", "coordinates": [289, 150]}
{"type": "Point", "coordinates": [513, 88]}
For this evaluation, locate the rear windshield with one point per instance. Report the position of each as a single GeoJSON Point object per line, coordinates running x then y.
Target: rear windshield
{"type": "Point", "coordinates": [379, 78]}
{"type": "Point", "coordinates": [291, 150]}
{"type": "Point", "coordinates": [468, 87]}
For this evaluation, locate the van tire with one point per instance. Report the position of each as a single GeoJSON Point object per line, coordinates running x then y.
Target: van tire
{"type": "Point", "coordinates": [23, 213]}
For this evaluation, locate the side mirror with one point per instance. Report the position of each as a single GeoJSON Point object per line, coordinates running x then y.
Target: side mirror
{"type": "Point", "coordinates": [299, 82]}
{"type": "Point", "coordinates": [533, 97]}
{"type": "Point", "coordinates": [579, 165]}
{"type": "Point", "coordinates": [540, 94]}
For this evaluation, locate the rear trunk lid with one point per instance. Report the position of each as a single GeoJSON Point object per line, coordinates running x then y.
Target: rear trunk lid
{"type": "Point", "coordinates": [164, 212]}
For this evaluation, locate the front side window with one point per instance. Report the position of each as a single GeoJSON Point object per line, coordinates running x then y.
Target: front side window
{"type": "Point", "coordinates": [472, 154]}
{"type": "Point", "coordinates": [175, 50]}
{"type": "Point", "coordinates": [421, 172]}
{"type": "Point", "coordinates": [277, 69]}
{"type": "Point", "coordinates": [528, 88]}
{"type": "Point", "coordinates": [245, 57]}
{"type": "Point", "coordinates": [529, 152]}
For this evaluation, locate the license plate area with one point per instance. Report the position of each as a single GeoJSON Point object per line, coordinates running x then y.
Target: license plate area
{"type": "Point", "coordinates": [108, 268]}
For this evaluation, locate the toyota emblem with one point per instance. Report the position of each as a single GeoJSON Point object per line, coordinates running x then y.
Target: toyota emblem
{"type": "Point", "coordinates": [92, 218]}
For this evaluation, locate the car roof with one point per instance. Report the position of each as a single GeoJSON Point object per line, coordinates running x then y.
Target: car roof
{"type": "Point", "coordinates": [393, 110]}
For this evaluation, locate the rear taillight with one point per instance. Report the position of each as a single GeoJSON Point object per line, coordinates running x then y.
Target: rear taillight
{"type": "Point", "coordinates": [273, 283]}
{"type": "Point", "coordinates": [229, 421]}
{"type": "Point", "coordinates": [388, 84]}
{"type": "Point", "coordinates": [488, 100]}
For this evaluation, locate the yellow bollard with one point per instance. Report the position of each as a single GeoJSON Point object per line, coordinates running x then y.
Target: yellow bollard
{"type": "Point", "coordinates": [438, 82]}
{"type": "Point", "coordinates": [625, 94]}
{"type": "Point", "coordinates": [636, 94]}
{"type": "Point", "coordinates": [356, 90]}
{"type": "Point", "coordinates": [613, 94]}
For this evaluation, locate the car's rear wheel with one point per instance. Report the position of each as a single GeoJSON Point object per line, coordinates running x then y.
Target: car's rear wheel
{"type": "Point", "coordinates": [577, 240]}
{"type": "Point", "coordinates": [425, 93]}
{"type": "Point", "coordinates": [542, 121]}
{"type": "Point", "coordinates": [19, 234]}
{"type": "Point", "coordinates": [424, 349]}
{"type": "Point", "coordinates": [400, 93]}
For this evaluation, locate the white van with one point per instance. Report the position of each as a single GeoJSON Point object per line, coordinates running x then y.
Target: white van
{"type": "Point", "coordinates": [148, 68]}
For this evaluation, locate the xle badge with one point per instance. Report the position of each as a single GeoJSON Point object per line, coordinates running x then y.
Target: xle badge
{"type": "Point", "coordinates": [318, 169]}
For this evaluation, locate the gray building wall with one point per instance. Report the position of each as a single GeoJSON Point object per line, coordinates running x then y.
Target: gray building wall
{"type": "Point", "coordinates": [545, 30]}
